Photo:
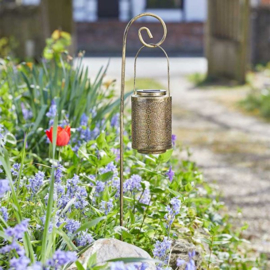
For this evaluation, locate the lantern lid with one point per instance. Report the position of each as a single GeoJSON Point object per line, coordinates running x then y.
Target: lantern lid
{"type": "Point", "coordinates": [151, 92]}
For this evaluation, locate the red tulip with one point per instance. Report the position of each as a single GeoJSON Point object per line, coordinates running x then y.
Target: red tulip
{"type": "Point", "coordinates": [62, 137]}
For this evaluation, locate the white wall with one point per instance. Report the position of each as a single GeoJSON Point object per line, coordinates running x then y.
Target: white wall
{"type": "Point", "coordinates": [196, 10]}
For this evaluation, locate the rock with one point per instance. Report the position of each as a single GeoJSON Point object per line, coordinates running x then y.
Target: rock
{"type": "Point", "coordinates": [180, 249]}
{"type": "Point", "coordinates": [107, 249]}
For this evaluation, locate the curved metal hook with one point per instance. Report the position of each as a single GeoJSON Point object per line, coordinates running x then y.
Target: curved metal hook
{"type": "Point", "coordinates": [123, 90]}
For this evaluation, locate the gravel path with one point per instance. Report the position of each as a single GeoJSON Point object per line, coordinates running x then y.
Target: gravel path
{"type": "Point", "coordinates": [231, 148]}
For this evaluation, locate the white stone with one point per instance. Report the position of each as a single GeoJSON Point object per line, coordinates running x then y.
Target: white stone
{"type": "Point", "coordinates": [107, 249]}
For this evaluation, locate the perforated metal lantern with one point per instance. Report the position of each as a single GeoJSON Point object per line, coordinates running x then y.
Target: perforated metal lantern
{"type": "Point", "coordinates": [151, 118]}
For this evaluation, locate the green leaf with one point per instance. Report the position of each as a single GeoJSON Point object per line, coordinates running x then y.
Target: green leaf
{"type": "Point", "coordinates": [92, 260]}
{"type": "Point", "coordinates": [90, 224]}
{"type": "Point", "coordinates": [10, 140]}
{"type": "Point", "coordinates": [165, 157]}
{"type": "Point", "coordinates": [101, 141]}
{"type": "Point", "coordinates": [106, 176]}
{"type": "Point", "coordinates": [66, 239]}
{"type": "Point", "coordinates": [79, 265]}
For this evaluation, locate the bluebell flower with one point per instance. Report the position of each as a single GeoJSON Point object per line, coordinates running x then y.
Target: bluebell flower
{"type": "Point", "coordinates": [190, 265]}
{"type": "Point", "coordinates": [180, 262]}
{"type": "Point", "coordinates": [15, 169]}
{"type": "Point", "coordinates": [20, 263]}
{"type": "Point", "coordinates": [162, 249]}
{"type": "Point", "coordinates": [118, 266]}
{"type": "Point", "coordinates": [17, 231]}
{"type": "Point", "coordinates": [115, 121]}
{"type": "Point", "coordinates": [100, 186]}
{"type": "Point", "coordinates": [133, 183]}
{"type": "Point", "coordinates": [106, 206]}
{"type": "Point", "coordinates": [173, 209]}
{"type": "Point", "coordinates": [116, 151]}
{"type": "Point", "coordinates": [4, 213]}
{"type": "Point", "coordinates": [13, 246]}
{"type": "Point", "coordinates": [145, 198]}
{"type": "Point", "coordinates": [60, 258]}
{"type": "Point", "coordinates": [84, 120]}
{"type": "Point", "coordinates": [84, 239]}
{"type": "Point", "coordinates": [170, 174]}
{"type": "Point", "coordinates": [72, 185]}
{"type": "Point", "coordinates": [36, 266]}
{"type": "Point", "coordinates": [27, 114]}
{"type": "Point", "coordinates": [4, 187]}
{"type": "Point", "coordinates": [36, 182]}
{"type": "Point", "coordinates": [173, 139]}
{"type": "Point", "coordinates": [116, 184]}
{"type": "Point", "coordinates": [52, 111]}
{"type": "Point", "coordinates": [176, 204]}
{"type": "Point", "coordinates": [58, 174]}
{"type": "Point", "coordinates": [81, 195]}
{"type": "Point", "coordinates": [72, 225]}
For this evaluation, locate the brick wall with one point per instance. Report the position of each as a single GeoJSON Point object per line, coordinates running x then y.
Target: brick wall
{"type": "Point", "coordinates": [105, 37]}
{"type": "Point", "coordinates": [265, 2]}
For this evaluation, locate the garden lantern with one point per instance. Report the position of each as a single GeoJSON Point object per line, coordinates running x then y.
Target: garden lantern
{"type": "Point", "coordinates": [151, 117]}
{"type": "Point", "coordinates": [151, 109]}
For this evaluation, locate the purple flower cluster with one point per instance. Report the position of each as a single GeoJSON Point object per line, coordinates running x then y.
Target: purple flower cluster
{"type": "Point", "coordinates": [58, 174]}
{"type": "Point", "coordinates": [170, 174]}
{"type": "Point", "coordinates": [173, 139]}
{"type": "Point", "coordinates": [84, 239]}
{"type": "Point", "coordinates": [72, 225]}
{"type": "Point", "coordinates": [74, 190]}
{"type": "Point", "coordinates": [116, 151]}
{"type": "Point", "coordinates": [190, 265]}
{"type": "Point", "coordinates": [162, 249]}
{"type": "Point", "coordinates": [84, 133]}
{"type": "Point", "coordinates": [60, 258]}
{"type": "Point", "coordinates": [16, 168]}
{"type": "Point", "coordinates": [4, 187]}
{"type": "Point", "coordinates": [18, 231]}
{"type": "Point", "coordinates": [109, 168]}
{"type": "Point", "coordinates": [121, 266]}
{"type": "Point", "coordinates": [145, 198]}
{"type": "Point", "coordinates": [52, 110]}
{"type": "Point", "coordinates": [173, 210]}
{"type": "Point", "coordinates": [106, 206]}
{"type": "Point", "coordinates": [36, 182]}
{"type": "Point", "coordinates": [133, 183]}
{"type": "Point", "coordinates": [20, 263]}
{"type": "Point", "coordinates": [115, 121]}
{"type": "Point", "coordinates": [4, 213]}
{"type": "Point", "coordinates": [27, 114]}
{"type": "Point", "coordinates": [13, 246]}
{"type": "Point", "coordinates": [100, 186]}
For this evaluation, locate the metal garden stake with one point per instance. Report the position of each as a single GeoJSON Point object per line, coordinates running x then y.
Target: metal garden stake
{"type": "Point", "coordinates": [151, 109]}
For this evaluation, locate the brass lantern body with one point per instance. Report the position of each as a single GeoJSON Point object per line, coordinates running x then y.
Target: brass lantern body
{"type": "Point", "coordinates": [151, 121]}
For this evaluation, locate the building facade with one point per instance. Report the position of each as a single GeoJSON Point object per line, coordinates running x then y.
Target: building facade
{"type": "Point", "coordinates": [123, 10]}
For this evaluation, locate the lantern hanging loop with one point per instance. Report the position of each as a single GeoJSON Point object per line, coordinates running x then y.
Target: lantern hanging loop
{"type": "Point", "coordinates": [135, 68]}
